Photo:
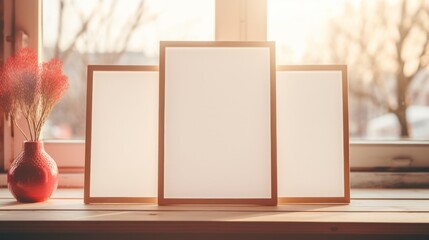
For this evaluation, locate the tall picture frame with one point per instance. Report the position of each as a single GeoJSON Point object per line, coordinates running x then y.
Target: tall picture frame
{"type": "Point", "coordinates": [217, 123]}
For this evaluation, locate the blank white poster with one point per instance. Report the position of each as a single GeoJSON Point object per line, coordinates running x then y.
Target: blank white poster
{"type": "Point", "coordinates": [124, 137]}
{"type": "Point", "coordinates": [217, 140]}
{"type": "Point", "coordinates": [310, 147]}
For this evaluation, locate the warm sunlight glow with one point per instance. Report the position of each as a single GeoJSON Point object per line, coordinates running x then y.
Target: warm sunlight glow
{"type": "Point", "coordinates": [383, 43]}
{"type": "Point", "coordinates": [296, 24]}
{"type": "Point", "coordinates": [161, 20]}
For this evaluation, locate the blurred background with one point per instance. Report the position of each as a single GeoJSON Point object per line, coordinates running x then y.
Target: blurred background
{"type": "Point", "coordinates": [384, 43]}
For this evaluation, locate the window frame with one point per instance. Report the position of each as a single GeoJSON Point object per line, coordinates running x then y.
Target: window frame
{"type": "Point", "coordinates": [235, 20]}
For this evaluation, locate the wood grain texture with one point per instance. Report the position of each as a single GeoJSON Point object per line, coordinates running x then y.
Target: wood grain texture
{"type": "Point", "coordinates": [201, 222]}
{"type": "Point", "coordinates": [365, 218]}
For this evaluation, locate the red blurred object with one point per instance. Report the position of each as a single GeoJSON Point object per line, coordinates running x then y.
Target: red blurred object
{"type": "Point", "coordinates": [30, 89]}
{"type": "Point", "coordinates": [33, 175]}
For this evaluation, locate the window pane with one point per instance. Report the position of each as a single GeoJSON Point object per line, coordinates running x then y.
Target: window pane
{"type": "Point", "coordinates": [112, 32]}
{"type": "Point", "coordinates": [384, 44]}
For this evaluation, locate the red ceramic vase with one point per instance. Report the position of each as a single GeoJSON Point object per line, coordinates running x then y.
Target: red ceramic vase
{"type": "Point", "coordinates": [33, 175]}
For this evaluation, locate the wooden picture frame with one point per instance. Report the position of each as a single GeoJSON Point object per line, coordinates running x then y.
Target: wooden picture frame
{"type": "Point", "coordinates": [121, 144]}
{"type": "Point", "coordinates": [217, 123]}
{"type": "Point", "coordinates": [312, 134]}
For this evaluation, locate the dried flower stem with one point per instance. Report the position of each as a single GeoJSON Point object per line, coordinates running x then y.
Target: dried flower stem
{"type": "Point", "coordinates": [41, 121]}
{"type": "Point", "coordinates": [20, 129]}
{"type": "Point", "coordinates": [29, 125]}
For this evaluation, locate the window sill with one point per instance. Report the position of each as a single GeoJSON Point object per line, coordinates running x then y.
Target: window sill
{"type": "Point", "coordinates": [401, 213]}
{"type": "Point", "coordinates": [358, 179]}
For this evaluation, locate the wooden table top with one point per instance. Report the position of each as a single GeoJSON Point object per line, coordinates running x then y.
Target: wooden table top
{"type": "Point", "coordinates": [376, 212]}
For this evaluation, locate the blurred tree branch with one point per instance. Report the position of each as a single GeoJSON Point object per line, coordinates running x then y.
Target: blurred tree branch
{"type": "Point", "coordinates": [365, 38]}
